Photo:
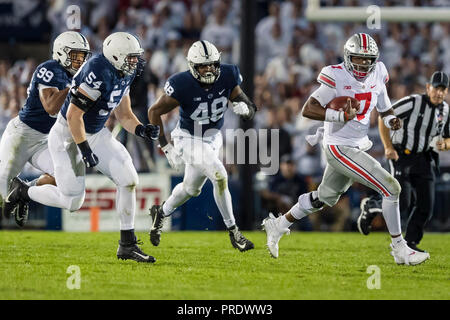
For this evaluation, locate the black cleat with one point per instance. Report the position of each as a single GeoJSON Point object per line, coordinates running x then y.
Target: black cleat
{"type": "Point", "coordinates": [21, 213]}
{"type": "Point", "coordinates": [18, 192]}
{"type": "Point", "coordinates": [239, 241]}
{"type": "Point", "coordinates": [369, 210]}
{"type": "Point", "coordinates": [132, 251]}
{"type": "Point", "coordinates": [157, 215]}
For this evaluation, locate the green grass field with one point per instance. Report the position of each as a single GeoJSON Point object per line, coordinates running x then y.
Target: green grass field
{"type": "Point", "coordinates": [203, 265]}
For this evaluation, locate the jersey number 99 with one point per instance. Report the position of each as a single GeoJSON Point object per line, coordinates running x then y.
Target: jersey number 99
{"type": "Point", "coordinates": [45, 74]}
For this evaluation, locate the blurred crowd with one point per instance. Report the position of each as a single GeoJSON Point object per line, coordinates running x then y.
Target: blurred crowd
{"type": "Point", "coordinates": [290, 51]}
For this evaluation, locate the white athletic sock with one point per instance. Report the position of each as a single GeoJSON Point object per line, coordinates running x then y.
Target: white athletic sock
{"type": "Point", "coordinates": [176, 199]}
{"type": "Point", "coordinates": [126, 207]}
{"type": "Point", "coordinates": [391, 214]}
{"type": "Point", "coordinates": [223, 200]}
{"type": "Point", "coordinates": [284, 223]}
{"type": "Point", "coordinates": [398, 241]}
{"type": "Point", "coordinates": [304, 207]}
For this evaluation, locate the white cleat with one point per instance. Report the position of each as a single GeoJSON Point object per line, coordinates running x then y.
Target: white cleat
{"type": "Point", "coordinates": [408, 256]}
{"type": "Point", "coordinates": [274, 234]}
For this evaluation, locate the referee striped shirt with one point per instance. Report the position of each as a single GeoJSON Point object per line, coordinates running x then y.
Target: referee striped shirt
{"type": "Point", "coordinates": [421, 122]}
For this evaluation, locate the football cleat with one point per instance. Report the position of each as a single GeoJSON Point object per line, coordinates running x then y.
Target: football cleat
{"type": "Point", "coordinates": [274, 234]}
{"type": "Point", "coordinates": [21, 213]}
{"type": "Point", "coordinates": [131, 251]}
{"type": "Point", "coordinates": [157, 215]}
{"type": "Point", "coordinates": [404, 255]}
{"type": "Point", "coordinates": [239, 241]}
{"type": "Point", "coordinates": [369, 210]}
{"type": "Point", "coordinates": [18, 192]}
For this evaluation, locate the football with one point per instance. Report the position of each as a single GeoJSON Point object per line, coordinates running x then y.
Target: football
{"type": "Point", "coordinates": [339, 103]}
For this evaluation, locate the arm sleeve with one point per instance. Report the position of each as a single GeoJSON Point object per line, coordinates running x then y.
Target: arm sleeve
{"type": "Point", "coordinates": [384, 103]}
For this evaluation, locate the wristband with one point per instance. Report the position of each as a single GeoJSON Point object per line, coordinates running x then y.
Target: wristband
{"type": "Point", "coordinates": [84, 147]}
{"type": "Point", "coordinates": [139, 131]}
{"type": "Point", "coordinates": [387, 119]}
{"type": "Point", "coordinates": [335, 116]}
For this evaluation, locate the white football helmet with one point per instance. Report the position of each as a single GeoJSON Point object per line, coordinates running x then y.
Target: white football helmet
{"type": "Point", "coordinates": [67, 42]}
{"type": "Point", "coordinates": [204, 53]}
{"type": "Point", "coordinates": [119, 47]}
{"type": "Point", "coordinates": [360, 45]}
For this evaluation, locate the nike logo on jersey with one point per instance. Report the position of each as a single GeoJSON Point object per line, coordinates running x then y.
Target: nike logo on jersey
{"type": "Point", "coordinates": [347, 87]}
{"type": "Point", "coordinates": [220, 92]}
{"type": "Point", "coordinates": [371, 87]}
{"type": "Point", "coordinates": [198, 99]}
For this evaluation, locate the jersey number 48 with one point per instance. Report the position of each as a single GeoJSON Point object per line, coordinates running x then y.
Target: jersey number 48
{"type": "Point", "coordinates": [202, 114]}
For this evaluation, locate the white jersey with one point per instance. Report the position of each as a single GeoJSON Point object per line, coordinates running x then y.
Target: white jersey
{"type": "Point", "coordinates": [336, 81]}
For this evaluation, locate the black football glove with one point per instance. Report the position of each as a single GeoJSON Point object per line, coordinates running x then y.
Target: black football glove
{"type": "Point", "coordinates": [89, 158]}
{"type": "Point", "coordinates": [149, 131]}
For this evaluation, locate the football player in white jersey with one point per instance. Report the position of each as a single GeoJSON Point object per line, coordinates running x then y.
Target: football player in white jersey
{"type": "Point", "coordinates": [345, 141]}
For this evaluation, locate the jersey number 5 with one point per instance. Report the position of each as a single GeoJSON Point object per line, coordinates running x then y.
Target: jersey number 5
{"type": "Point", "coordinates": [201, 114]}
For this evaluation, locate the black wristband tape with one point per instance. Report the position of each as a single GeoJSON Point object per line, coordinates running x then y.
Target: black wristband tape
{"type": "Point", "coordinates": [84, 147]}
{"type": "Point", "coordinates": [139, 131]}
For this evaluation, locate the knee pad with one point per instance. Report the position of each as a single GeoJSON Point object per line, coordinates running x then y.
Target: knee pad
{"type": "Point", "coordinates": [396, 188]}
{"type": "Point", "coordinates": [220, 181]}
{"type": "Point", "coordinates": [123, 173]}
{"type": "Point", "coordinates": [328, 195]}
{"type": "Point", "coordinates": [392, 198]}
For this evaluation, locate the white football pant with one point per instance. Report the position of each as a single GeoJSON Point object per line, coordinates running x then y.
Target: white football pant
{"type": "Point", "coordinates": [21, 144]}
{"type": "Point", "coordinates": [114, 162]}
{"type": "Point", "coordinates": [346, 165]}
{"type": "Point", "coordinates": [201, 157]}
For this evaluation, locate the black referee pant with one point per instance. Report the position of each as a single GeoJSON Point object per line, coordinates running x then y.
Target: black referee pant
{"type": "Point", "coordinates": [416, 176]}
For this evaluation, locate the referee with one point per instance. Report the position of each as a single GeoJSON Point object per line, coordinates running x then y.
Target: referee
{"type": "Point", "coordinates": [411, 157]}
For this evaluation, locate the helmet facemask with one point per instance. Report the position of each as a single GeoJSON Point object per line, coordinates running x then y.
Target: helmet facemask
{"type": "Point", "coordinates": [72, 58]}
{"type": "Point", "coordinates": [360, 71]}
{"type": "Point", "coordinates": [209, 77]}
{"type": "Point", "coordinates": [128, 67]}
